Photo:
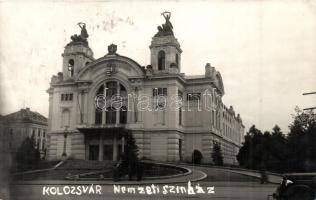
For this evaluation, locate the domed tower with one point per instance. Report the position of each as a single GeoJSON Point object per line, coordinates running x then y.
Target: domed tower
{"type": "Point", "coordinates": [77, 53]}
{"type": "Point", "coordinates": [165, 49]}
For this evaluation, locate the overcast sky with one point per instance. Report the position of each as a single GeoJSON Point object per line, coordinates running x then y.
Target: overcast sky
{"type": "Point", "coordinates": [264, 50]}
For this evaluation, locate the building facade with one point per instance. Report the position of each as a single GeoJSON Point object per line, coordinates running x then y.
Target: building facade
{"type": "Point", "coordinates": [17, 126]}
{"type": "Point", "coordinates": [93, 101]}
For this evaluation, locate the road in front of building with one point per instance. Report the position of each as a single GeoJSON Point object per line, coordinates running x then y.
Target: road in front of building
{"type": "Point", "coordinates": [227, 185]}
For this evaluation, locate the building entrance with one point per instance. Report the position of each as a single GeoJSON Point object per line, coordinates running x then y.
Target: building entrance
{"type": "Point", "coordinates": [108, 152]}
{"type": "Point", "coordinates": [93, 152]}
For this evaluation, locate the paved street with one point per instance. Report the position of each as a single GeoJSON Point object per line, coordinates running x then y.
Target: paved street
{"type": "Point", "coordinates": [227, 185]}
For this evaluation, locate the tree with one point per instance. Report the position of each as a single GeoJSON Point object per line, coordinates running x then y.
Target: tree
{"type": "Point", "coordinates": [250, 154]}
{"type": "Point", "coordinates": [130, 162]}
{"type": "Point", "coordinates": [301, 142]}
{"type": "Point", "coordinates": [28, 155]}
{"type": "Point", "coordinates": [217, 154]}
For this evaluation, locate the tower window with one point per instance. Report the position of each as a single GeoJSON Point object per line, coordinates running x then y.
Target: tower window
{"type": "Point", "coordinates": [177, 60]}
{"type": "Point", "coordinates": [71, 64]}
{"type": "Point", "coordinates": [161, 60]}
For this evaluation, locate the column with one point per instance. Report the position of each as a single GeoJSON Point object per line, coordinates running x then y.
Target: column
{"type": "Point", "coordinates": [123, 144]}
{"type": "Point", "coordinates": [114, 149]}
{"type": "Point", "coordinates": [101, 148]}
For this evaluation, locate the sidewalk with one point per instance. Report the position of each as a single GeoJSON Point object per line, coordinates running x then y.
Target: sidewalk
{"type": "Point", "coordinates": [196, 175]}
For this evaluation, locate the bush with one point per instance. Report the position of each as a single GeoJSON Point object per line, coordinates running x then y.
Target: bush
{"type": "Point", "coordinates": [196, 157]}
{"type": "Point", "coordinates": [217, 155]}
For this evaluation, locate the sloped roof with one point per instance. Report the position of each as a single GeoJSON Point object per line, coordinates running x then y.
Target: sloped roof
{"type": "Point", "coordinates": [25, 115]}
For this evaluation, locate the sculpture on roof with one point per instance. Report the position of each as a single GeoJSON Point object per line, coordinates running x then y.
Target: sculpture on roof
{"type": "Point", "coordinates": [82, 38]}
{"type": "Point", "coordinates": [166, 28]}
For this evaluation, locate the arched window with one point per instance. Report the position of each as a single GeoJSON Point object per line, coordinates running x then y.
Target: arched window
{"type": "Point", "coordinates": [177, 60]}
{"type": "Point", "coordinates": [71, 64]}
{"type": "Point", "coordinates": [98, 116]}
{"type": "Point", "coordinates": [110, 115]}
{"type": "Point", "coordinates": [180, 116]}
{"type": "Point", "coordinates": [111, 88]}
{"type": "Point", "coordinates": [161, 60]}
{"type": "Point", "coordinates": [123, 115]}
{"type": "Point", "coordinates": [65, 118]}
{"type": "Point", "coordinates": [100, 90]}
{"type": "Point", "coordinates": [123, 92]}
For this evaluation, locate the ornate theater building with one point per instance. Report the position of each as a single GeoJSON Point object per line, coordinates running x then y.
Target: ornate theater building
{"type": "Point", "coordinates": [93, 102]}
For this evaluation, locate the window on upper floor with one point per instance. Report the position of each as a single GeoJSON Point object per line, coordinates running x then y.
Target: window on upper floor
{"type": "Point", "coordinates": [160, 92]}
{"type": "Point", "coordinates": [180, 116]}
{"type": "Point", "coordinates": [123, 115]}
{"type": "Point", "coordinates": [193, 96]}
{"type": "Point", "coordinates": [161, 60]}
{"type": "Point", "coordinates": [110, 115]}
{"type": "Point", "coordinates": [111, 88]}
{"type": "Point", "coordinates": [100, 90]}
{"type": "Point", "coordinates": [71, 64]}
{"type": "Point", "coordinates": [177, 60]}
{"type": "Point", "coordinates": [65, 118]}
{"type": "Point", "coordinates": [66, 97]}
{"type": "Point", "coordinates": [98, 116]}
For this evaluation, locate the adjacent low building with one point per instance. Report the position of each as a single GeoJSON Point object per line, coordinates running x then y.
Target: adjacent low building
{"type": "Point", "coordinates": [93, 101]}
{"type": "Point", "coordinates": [15, 127]}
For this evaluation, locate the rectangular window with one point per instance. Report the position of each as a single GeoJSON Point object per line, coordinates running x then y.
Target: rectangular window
{"type": "Point", "coordinates": [193, 96]}
{"type": "Point", "coordinates": [70, 97]}
{"type": "Point", "coordinates": [66, 97]}
{"type": "Point", "coordinates": [160, 92]}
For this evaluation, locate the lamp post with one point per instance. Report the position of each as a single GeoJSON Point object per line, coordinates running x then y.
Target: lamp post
{"type": "Point", "coordinates": [64, 155]}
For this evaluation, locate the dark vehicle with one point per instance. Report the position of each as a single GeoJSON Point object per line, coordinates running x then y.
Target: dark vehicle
{"type": "Point", "coordinates": [298, 186]}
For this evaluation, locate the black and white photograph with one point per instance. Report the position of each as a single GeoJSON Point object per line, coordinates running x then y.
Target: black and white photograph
{"type": "Point", "coordinates": [137, 100]}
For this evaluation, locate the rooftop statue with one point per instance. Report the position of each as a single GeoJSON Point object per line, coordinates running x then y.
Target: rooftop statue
{"type": "Point", "coordinates": [82, 38]}
{"type": "Point", "coordinates": [166, 28]}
